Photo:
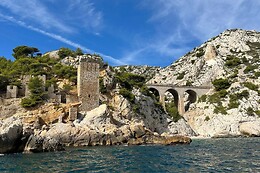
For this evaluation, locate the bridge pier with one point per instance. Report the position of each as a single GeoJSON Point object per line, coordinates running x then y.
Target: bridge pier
{"type": "Point", "coordinates": [162, 100]}
{"type": "Point", "coordinates": [181, 104]}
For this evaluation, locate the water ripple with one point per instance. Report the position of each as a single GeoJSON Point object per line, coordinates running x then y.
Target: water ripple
{"type": "Point", "coordinates": [208, 155]}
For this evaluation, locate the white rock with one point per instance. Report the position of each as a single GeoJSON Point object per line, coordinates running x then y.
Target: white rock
{"type": "Point", "coordinates": [250, 128]}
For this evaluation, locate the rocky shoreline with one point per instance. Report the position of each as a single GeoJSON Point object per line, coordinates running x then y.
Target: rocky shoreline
{"type": "Point", "coordinates": [14, 137]}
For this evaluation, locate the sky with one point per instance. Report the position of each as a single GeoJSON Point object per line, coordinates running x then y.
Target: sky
{"type": "Point", "coordinates": [133, 32]}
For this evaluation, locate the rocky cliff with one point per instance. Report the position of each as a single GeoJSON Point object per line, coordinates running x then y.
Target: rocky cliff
{"type": "Point", "coordinates": [131, 114]}
{"type": "Point", "coordinates": [231, 57]}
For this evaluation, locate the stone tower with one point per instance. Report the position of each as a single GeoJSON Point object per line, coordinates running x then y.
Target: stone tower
{"type": "Point", "coordinates": [88, 85]}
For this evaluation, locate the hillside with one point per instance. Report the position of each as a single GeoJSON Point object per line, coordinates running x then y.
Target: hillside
{"type": "Point", "coordinates": [39, 96]}
{"type": "Point", "coordinates": [42, 94]}
{"type": "Point", "coordinates": [231, 62]}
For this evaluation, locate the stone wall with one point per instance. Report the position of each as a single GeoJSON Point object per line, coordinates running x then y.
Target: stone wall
{"type": "Point", "coordinates": [88, 85]}
{"type": "Point", "coordinates": [71, 98]}
{"type": "Point", "coordinates": [52, 96]}
{"type": "Point", "coordinates": [73, 113]}
{"type": "Point", "coordinates": [12, 91]}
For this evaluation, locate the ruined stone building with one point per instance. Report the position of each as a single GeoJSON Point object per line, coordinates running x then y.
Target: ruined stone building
{"type": "Point", "coordinates": [15, 92]}
{"type": "Point", "coordinates": [87, 97]}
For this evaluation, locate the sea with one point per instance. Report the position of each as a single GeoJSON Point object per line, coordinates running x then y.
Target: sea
{"type": "Point", "coordinates": [202, 155]}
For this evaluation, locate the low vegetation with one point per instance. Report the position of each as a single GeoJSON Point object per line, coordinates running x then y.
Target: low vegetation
{"type": "Point", "coordinates": [37, 93]}
{"type": "Point", "coordinates": [180, 76]}
{"type": "Point", "coordinates": [232, 61]}
{"type": "Point", "coordinates": [221, 84]}
{"type": "Point", "coordinates": [172, 110]}
{"type": "Point", "coordinates": [28, 63]}
{"type": "Point", "coordinates": [251, 86]}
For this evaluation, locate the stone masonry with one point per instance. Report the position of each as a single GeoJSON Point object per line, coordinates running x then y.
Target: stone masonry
{"type": "Point", "coordinates": [88, 85]}
{"type": "Point", "coordinates": [12, 91]}
{"type": "Point", "coordinates": [194, 93]}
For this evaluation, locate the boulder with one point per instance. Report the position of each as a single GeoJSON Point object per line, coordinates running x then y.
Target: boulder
{"type": "Point", "coordinates": [160, 140]}
{"type": "Point", "coordinates": [137, 130]}
{"type": "Point", "coordinates": [168, 140]}
{"type": "Point", "coordinates": [36, 144]}
{"type": "Point", "coordinates": [250, 128]}
{"type": "Point", "coordinates": [11, 133]}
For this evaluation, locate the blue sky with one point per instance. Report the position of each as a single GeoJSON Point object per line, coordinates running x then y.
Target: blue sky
{"type": "Point", "coordinates": [137, 32]}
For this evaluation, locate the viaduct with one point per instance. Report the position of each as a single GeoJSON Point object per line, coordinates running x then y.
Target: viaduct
{"type": "Point", "coordinates": [178, 93]}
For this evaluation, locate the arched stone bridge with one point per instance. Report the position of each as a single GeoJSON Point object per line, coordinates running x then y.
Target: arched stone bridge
{"type": "Point", "coordinates": [178, 93]}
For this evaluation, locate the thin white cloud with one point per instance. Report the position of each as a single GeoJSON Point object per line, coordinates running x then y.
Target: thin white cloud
{"type": "Point", "coordinates": [34, 11]}
{"type": "Point", "coordinates": [85, 11]}
{"type": "Point", "coordinates": [69, 15]}
{"type": "Point", "coordinates": [60, 38]}
{"type": "Point", "coordinates": [180, 24]}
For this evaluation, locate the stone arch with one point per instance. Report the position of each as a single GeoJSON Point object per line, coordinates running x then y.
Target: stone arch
{"type": "Point", "coordinates": [155, 92]}
{"type": "Point", "coordinates": [175, 96]}
{"type": "Point", "coordinates": [192, 98]}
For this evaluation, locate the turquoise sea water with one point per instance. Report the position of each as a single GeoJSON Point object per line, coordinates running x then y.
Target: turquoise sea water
{"type": "Point", "coordinates": [202, 155]}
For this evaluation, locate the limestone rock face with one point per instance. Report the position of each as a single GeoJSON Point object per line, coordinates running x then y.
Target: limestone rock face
{"type": "Point", "coordinates": [95, 117]}
{"type": "Point", "coordinates": [9, 107]}
{"type": "Point", "coordinates": [181, 127]}
{"type": "Point", "coordinates": [250, 128]}
{"type": "Point", "coordinates": [210, 53]}
{"type": "Point", "coordinates": [102, 127]}
{"type": "Point", "coordinates": [233, 55]}
{"type": "Point", "coordinates": [11, 132]}
{"type": "Point", "coordinates": [53, 54]}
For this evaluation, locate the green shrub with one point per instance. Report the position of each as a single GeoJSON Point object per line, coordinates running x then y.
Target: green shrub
{"type": "Point", "coordinates": [66, 88]}
{"type": "Point", "coordinates": [28, 102]}
{"type": "Point", "coordinates": [172, 110]}
{"type": "Point", "coordinates": [222, 93]}
{"type": "Point", "coordinates": [250, 111]}
{"type": "Point", "coordinates": [233, 99]}
{"type": "Point", "coordinates": [200, 52]}
{"type": "Point", "coordinates": [250, 68]}
{"type": "Point", "coordinates": [36, 87]}
{"type": "Point", "coordinates": [203, 98]}
{"type": "Point", "coordinates": [127, 94]}
{"type": "Point", "coordinates": [221, 84]}
{"type": "Point", "coordinates": [207, 118]}
{"type": "Point", "coordinates": [232, 61]}
{"type": "Point", "coordinates": [244, 60]}
{"type": "Point", "coordinates": [130, 80]}
{"type": "Point", "coordinates": [181, 76]}
{"type": "Point", "coordinates": [233, 104]}
{"type": "Point", "coordinates": [52, 81]}
{"type": "Point", "coordinates": [4, 81]}
{"type": "Point", "coordinates": [234, 75]}
{"type": "Point", "coordinates": [65, 52]}
{"type": "Point", "coordinates": [257, 74]}
{"type": "Point", "coordinates": [136, 108]}
{"type": "Point", "coordinates": [257, 112]}
{"type": "Point", "coordinates": [188, 83]}
{"type": "Point", "coordinates": [214, 98]}
{"type": "Point", "coordinates": [102, 87]}
{"type": "Point", "coordinates": [63, 71]}
{"type": "Point", "coordinates": [251, 86]}
{"type": "Point", "coordinates": [220, 109]}
{"type": "Point", "coordinates": [243, 94]}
